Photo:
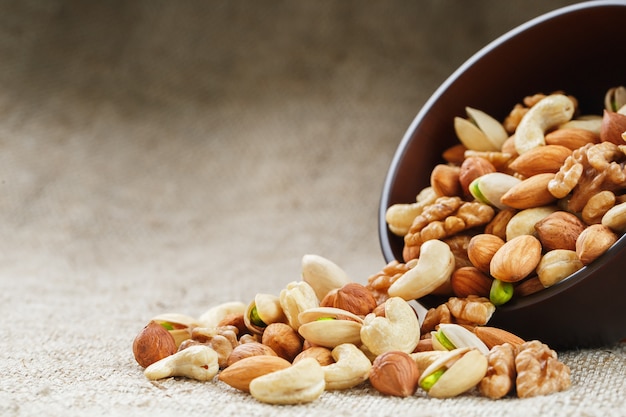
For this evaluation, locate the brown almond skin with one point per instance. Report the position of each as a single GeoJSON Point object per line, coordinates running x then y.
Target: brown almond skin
{"type": "Point", "coordinates": [481, 249]}
{"type": "Point", "coordinates": [571, 138]}
{"type": "Point", "coordinates": [493, 336]}
{"type": "Point", "coordinates": [468, 280]}
{"type": "Point", "coordinates": [246, 350]}
{"type": "Point", "coordinates": [559, 230]}
{"type": "Point", "coordinates": [152, 344]}
{"type": "Point", "coordinates": [516, 259]}
{"type": "Point", "coordinates": [540, 160]}
{"type": "Point", "coordinates": [241, 373]}
{"type": "Point", "coordinates": [531, 192]}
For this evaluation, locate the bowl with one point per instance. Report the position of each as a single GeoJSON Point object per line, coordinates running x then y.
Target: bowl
{"type": "Point", "coordinates": [578, 49]}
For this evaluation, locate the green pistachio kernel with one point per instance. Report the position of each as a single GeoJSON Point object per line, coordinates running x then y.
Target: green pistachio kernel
{"type": "Point", "coordinates": [255, 318]}
{"type": "Point", "coordinates": [445, 342]}
{"type": "Point", "coordinates": [430, 380]}
{"type": "Point", "coordinates": [167, 325]}
{"type": "Point", "coordinates": [500, 292]}
{"type": "Point", "coordinates": [325, 318]}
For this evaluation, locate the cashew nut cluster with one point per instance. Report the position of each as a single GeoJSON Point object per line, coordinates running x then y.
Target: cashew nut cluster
{"type": "Point", "coordinates": [552, 190]}
{"type": "Point", "coordinates": [292, 347]}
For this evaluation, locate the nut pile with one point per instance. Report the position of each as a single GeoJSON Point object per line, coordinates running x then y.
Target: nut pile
{"type": "Point", "coordinates": [326, 332]}
{"type": "Point", "coordinates": [518, 206]}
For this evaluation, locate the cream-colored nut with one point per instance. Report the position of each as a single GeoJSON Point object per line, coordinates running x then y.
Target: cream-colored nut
{"type": "Point", "coordinates": [549, 112]}
{"type": "Point", "coordinates": [395, 373]}
{"type": "Point", "coordinates": [179, 325]}
{"type": "Point", "coordinates": [615, 218]}
{"type": "Point", "coordinates": [400, 216]}
{"type": "Point", "coordinates": [296, 298]}
{"type": "Point", "coordinates": [573, 138]}
{"type": "Point", "coordinates": [454, 373]}
{"type": "Point", "coordinates": [198, 362]}
{"type": "Point", "coordinates": [263, 310]}
{"type": "Point", "coordinates": [452, 336]}
{"type": "Point", "coordinates": [302, 382]}
{"type": "Point", "coordinates": [590, 122]}
{"type": "Point", "coordinates": [434, 268]}
{"type": "Point", "coordinates": [351, 367]}
{"type": "Point", "coordinates": [213, 316]}
{"type": "Point", "coordinates": [593, 242]}
{"type": "Point", "coordinates": [220, 344]}
{"type": "Point", "coordinates": [597, 206]}
{"type": "Point", "coordinates": [399, 329]}
{"type": "Point", "coordinates": [322, 274]}
{"type": "Point", "coordinates": [516, 259]}
{"type": "Point", "coordinates": [330, 327]}
{"type": "Point", "coordinates": [425, 358]}
{"type": "Point", "coordinates": [472, 168]}
{"type": "Point", "coordinates": [282, 339]}
{"type": "Point", "coordinates": [480, 132]}
{"type": "Point", "coordinates": [556, 265]}
{"type": "Point", "coordinates": [490, 188]}
{"type": "Point", "coordinates": [241, 373]}
{"type": "Point", "coordinates": [524, 221]}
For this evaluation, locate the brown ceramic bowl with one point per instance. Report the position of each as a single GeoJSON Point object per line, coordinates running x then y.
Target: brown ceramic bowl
{"type": "Point", "coordinates": [579, 49]}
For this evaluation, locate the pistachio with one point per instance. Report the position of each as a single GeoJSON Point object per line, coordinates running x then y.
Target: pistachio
{"type": "Point", "coordinates": [330, 327]}
{"type": "Point", "coordinates": [501, 292]}
{"type": "Point", "coordinates": [454, 373]}
{"type": "Point", "coordinates": [451, 336]}
{"type": "Point", "coordinates": [480, 132]}
{"type": "Point", "coordinates": [490, 188]}
{"type": "Point", "coordinates": [263, 310]}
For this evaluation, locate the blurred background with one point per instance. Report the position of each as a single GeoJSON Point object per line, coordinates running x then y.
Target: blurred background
{"type": "Point", "coordinates": [187, 143]}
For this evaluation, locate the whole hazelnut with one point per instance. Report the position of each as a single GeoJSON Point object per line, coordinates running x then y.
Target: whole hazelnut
{"type": "Point", "coordinates": [395, 373]}
{"type": "Point", "coordinates": [282, 339]}
{"type": "Point", "coordinates": [152, 344]}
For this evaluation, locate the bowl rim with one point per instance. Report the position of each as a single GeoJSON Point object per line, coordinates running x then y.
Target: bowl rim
{"type": "Point", "coordinates": [391, 176]}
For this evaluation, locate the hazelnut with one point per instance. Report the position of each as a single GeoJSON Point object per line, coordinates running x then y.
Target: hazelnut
{"type": "Point", "coordinates": [559, 230]}
{"type": "Point", "coordinates": [152, 344]}
{"type": "Point", "coordinates": [472, 168]}
{"type": "Point", "coordinates": [352, 297]}
{"type": "Point", "coordinates": [593, 242]}
{"type": "Point", "coordinates": [282, 339]}
{"type": "Point", "coordinates": [395, 373]}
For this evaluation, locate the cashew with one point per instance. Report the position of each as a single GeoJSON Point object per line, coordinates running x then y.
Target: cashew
{"type": "Point", "coordinates": [399, 217]}
{"type": "Point", "coordinates": [550, 111]}
{"type": "Point", "coordinates": [351, 367]}
{"type": "Point", "coordinates": [399, 329]}
{"type": "Point", "coordinates": [322, 275]}
{"type": "Point", "coordinates": [296, 298]}
{"type": "Point", "coordinates": [213, 316]}
{"type": "Point", "coordinates": [197, 362]}
{"type": "Point", "coordinates": [434, 268]}
{"type": "Point", "coordinates": [300, 383]}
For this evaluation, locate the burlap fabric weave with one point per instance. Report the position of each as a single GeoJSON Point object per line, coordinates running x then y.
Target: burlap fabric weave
{"type": "Point", "coordinates": [168, 156]}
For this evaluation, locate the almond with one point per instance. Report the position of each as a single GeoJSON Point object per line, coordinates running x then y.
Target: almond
{"type": "Point", "coordinates": [493, 336]}
{"type": "Point", "coordinates": [481, 249]}
{"type": "Point", "coordinates": [241, 373]}
{"type": "Point", "coordinates": [541, 159]}
{"type": "Point", "coordinates": [516, 259]}
{"type": "Point", "coordinates": [571, 137]}
{"type": "Point", "coordinates": [531, 192]}
{"type": "Point", "coordinates": [468, 280]}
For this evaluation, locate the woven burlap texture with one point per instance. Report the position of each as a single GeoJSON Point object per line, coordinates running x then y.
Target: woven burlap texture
{"type": "Point", "coordinates": [161, 157]}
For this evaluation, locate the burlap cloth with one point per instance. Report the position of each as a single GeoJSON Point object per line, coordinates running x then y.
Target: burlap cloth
{"type": "Point", "coordinates": [169, 156]}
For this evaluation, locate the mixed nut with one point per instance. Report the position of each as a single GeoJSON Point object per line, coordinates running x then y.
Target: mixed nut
{"type": "Point", "coordinates": [522, 204]}
{"type": "Point", "coordinates": [519, 206]}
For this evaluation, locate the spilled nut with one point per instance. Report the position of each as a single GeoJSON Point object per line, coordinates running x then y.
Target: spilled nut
{"type": "Point", "coordinates": [302, 382]}
{"type": "Point", "coordinates": [399, 329]}
{"type": "Point", "coordinates": [198, 362]}
{"type": "Point", "coordinates": [454, 373]}
{"type": "Point", "coordinates": [453, 336]}
{"type": "Point", "coordinates": [351, 367]}
{"type": "Point", "coordinates": [330, 327]}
